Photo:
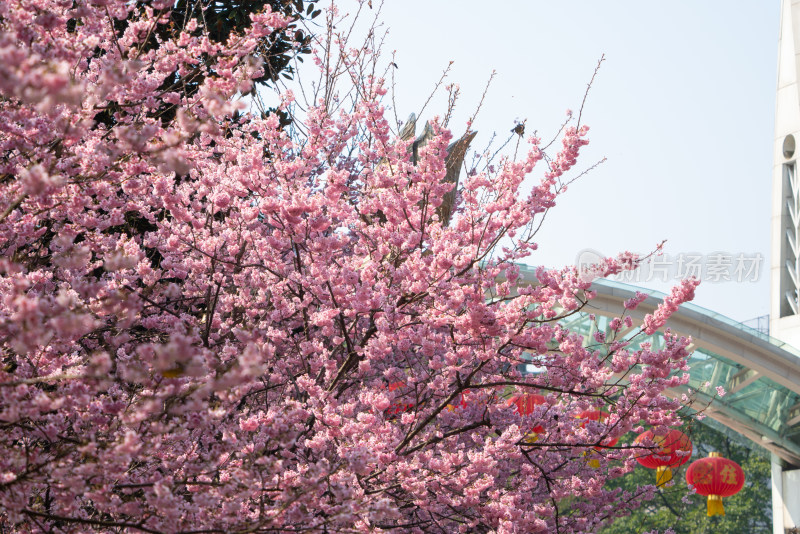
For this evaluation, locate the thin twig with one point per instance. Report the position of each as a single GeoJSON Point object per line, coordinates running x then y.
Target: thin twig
{"type": "Point", "coordinates": [480, 103]}
{"type": "Point", "coordinates": [436, 88]}
{"type": "Point", "coordinates": [589, 86]}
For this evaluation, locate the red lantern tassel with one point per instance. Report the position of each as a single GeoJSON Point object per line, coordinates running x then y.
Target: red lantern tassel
{"type": "Point", "coordinates": [715, 505]}
{"type": "Point", "coordinates": [531, 438]}
{"type": "Point", "coordinates": [663, 475]}
{"type": "Point", "coordinates": [592, 459]}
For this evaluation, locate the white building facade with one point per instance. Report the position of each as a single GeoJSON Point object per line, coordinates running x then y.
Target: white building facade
{"type": "Point", "coordinates": [785, 260]}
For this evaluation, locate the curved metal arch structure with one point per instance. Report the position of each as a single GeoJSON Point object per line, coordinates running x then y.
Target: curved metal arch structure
{"type": "Point", "coordinates": [760, 375]}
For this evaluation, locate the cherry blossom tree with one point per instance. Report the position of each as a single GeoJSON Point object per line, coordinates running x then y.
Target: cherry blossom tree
{"type": "Point", "coordinates": [218, 323]}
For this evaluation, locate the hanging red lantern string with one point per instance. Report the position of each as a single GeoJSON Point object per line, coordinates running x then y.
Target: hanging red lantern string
{"type": "Point", "coordinates": [674, 449]}
{"type": "Point", "coordinates": [716, 477]}
{"type": "Point", "coordinates": [525, 404]}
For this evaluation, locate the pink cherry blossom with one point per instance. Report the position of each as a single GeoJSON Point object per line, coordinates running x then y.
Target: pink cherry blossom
{"type": "Point", "coordinates": [213, 323]}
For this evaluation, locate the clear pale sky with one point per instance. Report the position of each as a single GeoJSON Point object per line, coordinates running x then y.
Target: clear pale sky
{"type": "Point", "coordinates": [683, 108]}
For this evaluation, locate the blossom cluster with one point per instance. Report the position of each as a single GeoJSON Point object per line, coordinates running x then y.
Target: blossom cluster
{"type": "Point", "coordinates": [206, 318]}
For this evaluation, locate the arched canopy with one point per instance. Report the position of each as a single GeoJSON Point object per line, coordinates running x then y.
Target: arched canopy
{"type": "Point", "coordinates": [760, 375]}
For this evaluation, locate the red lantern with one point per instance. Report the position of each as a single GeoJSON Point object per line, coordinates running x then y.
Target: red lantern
{"type": "Point", "coordinates": [674, 449]}
{"type": "Point", "coordinates": [716, 477]}
{"type": "Point", "coordinates": [398, 407]}
{"type": "Point", "coordinates": [597, 415]}
{"type": "Point", "coordinates": [526, 403]}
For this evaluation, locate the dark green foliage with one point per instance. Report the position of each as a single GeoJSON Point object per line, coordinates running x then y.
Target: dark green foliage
{"type": "Point", "coordinates": [223, 18]}
{"type": "Point", "coordinates": [750, 511]}
{"type": "Point", "coordinates": [220, 19]}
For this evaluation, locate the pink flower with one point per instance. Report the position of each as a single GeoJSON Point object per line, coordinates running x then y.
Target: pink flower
{"type": "Point", "coordinates": [681, 293]}
{"type": "Point", "coordinates": [216, 320]}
